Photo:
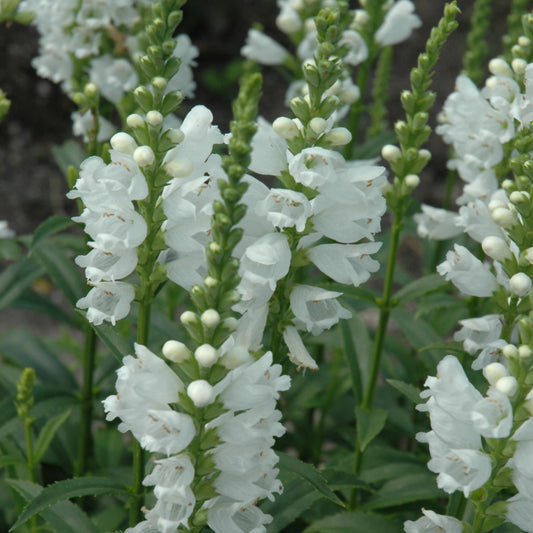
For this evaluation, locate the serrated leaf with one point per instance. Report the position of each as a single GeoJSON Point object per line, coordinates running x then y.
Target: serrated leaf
{"type": "Point", "coordinates": [419, 287]}
{"type": "Point", "coordinates": [64, 517]}
{"type": "Point", "coordinates": [47, 434]}
{"type": "Point", "coordinates": [353, 523]}
{"type": "Point", "coordinates": [406, 489]}
{"type": "Point", "coordinates": [64, 490]}
{"type": "Point", "coordinates": [62, 271]}
{"type": "Point", "coordinates": [50, 227]}
{"type": "Point", "coordinates": [408, 390]}
{"type": "Point", "coordinates": [16, 278]}
{"type": "Point", "coordinates": [309, 474]}
{"type": "Point", "coordinates": [369, 425]}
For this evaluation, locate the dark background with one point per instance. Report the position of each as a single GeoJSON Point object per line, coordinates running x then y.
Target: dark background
{"type": "Point", "coordinates": [31, 185]}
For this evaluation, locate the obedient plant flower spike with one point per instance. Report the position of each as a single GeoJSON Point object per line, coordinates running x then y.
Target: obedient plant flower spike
{"type": "Point", "coordinates": [514, 25]}
{"type": "Point", "coordinates": [477, 53]}
{"type": "Point", "coordinates": [405, 162]}
{"type": "Point", "coordinates": [380, 89]}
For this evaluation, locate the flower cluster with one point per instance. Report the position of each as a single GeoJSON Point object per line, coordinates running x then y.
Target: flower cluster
{"type": "Point", "coordinates": [236, 435]}
{"type": "Point", "coordinates": [115, 227]}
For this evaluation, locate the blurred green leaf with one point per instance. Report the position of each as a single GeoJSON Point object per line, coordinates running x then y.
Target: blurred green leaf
{"type": "Point", "coordinates": [419, 287]}
{"type": "Point", "coordinates": [354, 523]}
{"type": "Point", "coordinates": [408, 390]}
{"type": "Point", "coordinates": [369, 425]}
{"type": "Point", "coordinates": [50, 227]}
{"type": "Point", "coordinates": [47, 434]}
{"type": "Point", "coordinates": [68, 153]}
{"type": "Point", "coordinates": [16, 278]}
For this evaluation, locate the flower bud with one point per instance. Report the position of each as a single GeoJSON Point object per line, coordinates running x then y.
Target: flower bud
{"type": "Point", "coordinates": [524, 351]}
{"type": "Point", "coordinates": [206, 355]}
{"type": "Point", "coordinates": [519, 197]}
{"type": "Point", "coordinates": [528, 255]}
{"type": "Point", "coordinates": [159, 83]}
{"type": "Point", "coordinates": [499, 67]}
{"type": "Point", "coordinates": [520, 284]}
{"type": "Point", "coordinates": [176, 351]}
{"type": "Point", "coordinates": [361, 17]}
{"type": "Point", "coordinates": [503, 217]}
{"type": "Point", "coordinates": [496, 248]}
{"type": "Point", "coordinates": [143, 156]}
{"type": "Point", "coordinates": [412, 181]}
{"type": "Point", "coordinates": [285, 128]}
{"type": "Point", "coordinates": [508, 385]}
{"type": "Point", "coordinates": [509, 351]}
{"type": "Point", "coordinates": [154, 118]}
{"type": "Point", "coordinates": [349, 95]}
{"type": "Point", "coordinates": [524, 41]}
{"type": "Point", "coordinates": [288, 22]}
{"type": "Point", "coordinates": [519, 66]}
{"type": "Point", "coordinates": [236, 356]}
{"type": "Point", "coordinates": [175, 135]}
{"type": "Point", "coordinates": [188, 318]}
{"type": "Point", "coordinates": [338, 136]}
{"type": "Point", "coordinates": [507, 185]}
{"type": "Point", "coordinates": [231, 323]}
{"type": "Point", "coordinates": [201, 392]}
{"type": "Point", "coordinates": [124, 143]}
{"type": "Point", "coordinates": [214, 247]}
{"type": "Point", "coordinates": [318, 125]}
{"type": "Point", "coordinates": [210, 318]}
{"type": "Point", "coordinates": [391, 153]}
{"type": "Point", "coordinates": [210, 282]}
{"type": "Point", "coordinates": [135, 121]}
{"type": "Point", "coordinates": [494, 372]}
{"type": "Point", "coordinates": [528, 404]}
{"type": "Point", "coordinates": [91, 90]}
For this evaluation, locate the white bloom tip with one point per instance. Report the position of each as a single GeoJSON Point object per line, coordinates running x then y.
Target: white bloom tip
{"type": "Point", "coordinates": [154, 118]}
{"type": "Point", "coordinates": [519, 66]}
{"type": "Point", "coordinates": [496, 248]}
{"type": "Point", "coordinates": [286, 128]}
{"type": "Point", "coordinates": [124, 143]}
{"type": "Point", "coordinates": [159, 83]}
{"type": "Point", "coordinates": [231, 323]}
{"type": "Point", "coordinates": [201, 392]}
{"type": "Point", "coordinates": [206, 355]}
{"type": "Point", "coordinates": [391, 153]}
{"type": "Point", "coordinates": [176, 351]}
{"type": "Point", "coordinates": [524, 41]}
{"type": "Point", "coordinates": [508, 385]}
{"type": "Point", "coordinates": [503, 217]}
{"type": "Point", "coordinates": [499, 67]}
{"type": "Point", "coordinates": [135, 121]}
{"type": "Point", "coordinates": [520, 284]}
{"type": "Point", "coordinates": [412, 181]}
{"type": "Point", "coordinates": [524, 351]}
{"type": "Point", "coordinates": [338, 136]}
{"type": "Point", "coordinates": [494, 372]}
{"type": "Point", "coordinates": [318, 125]}
{"type": "Point", "coordinates": [210, 318]}
{"type": "Point", "coordinates": [143, 156]}
{"type": "Point", "coordinates": [180, 167]}
{"type": "Point", "coordinates": [510, 351]}
{"type": "Point", "coordinates": [210, 282]}
{"type": "Point", "coordinates": [175, 135]}
{"type": "Point", "coordinates": [188, 317]}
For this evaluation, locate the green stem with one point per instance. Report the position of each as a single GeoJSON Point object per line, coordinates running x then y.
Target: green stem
{"type": "Point", "coordinates": [87, 398]}
{"type": "Point", "coordinates": [32, 474]}
{"type": "Point", "coordinates": [137, 497]}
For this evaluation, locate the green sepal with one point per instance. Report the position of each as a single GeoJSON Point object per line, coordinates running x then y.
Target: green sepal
{"type": "Point", "coordinates": [301, 110]}
{"type": "Point", "coordinates": [238, 213]}
{"type": "Point", "coordinates": [497, 509]}
{"type": "Point", "coordinates": [198, 297]}
{"type": "Point", "coordinates": [171, 102]}
{"type": "Point", "coordinates": [144, 98]}
{"type": "Point", "coordinates": [171, 67]}
{"type": "Point", "coordinates": [186, 405]}
{"type": "Point", "coordinates": [205, 465]}
{"type": "Point", "coordinates": [234, 237]}
{"type": "Point", "coordinates": [504, 478]}
{"type": "Point", "coordinates": [204, 490]}
{"type": "Point", "coordinates": [210, 439]}
{"type": "Point", "coordinates": [174, 19]}
{"type": "Point", "coordinates": [147, 66]}
{"type": "Point", "coordinates": [328, 105]}
{"type": "Point", "coordinates": [214, 409]}
{"type": "Point", "coordinates": [229, 270]}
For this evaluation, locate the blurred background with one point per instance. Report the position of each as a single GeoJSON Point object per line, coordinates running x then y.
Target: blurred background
{"type": "Point", "coordinates": [31, 184]}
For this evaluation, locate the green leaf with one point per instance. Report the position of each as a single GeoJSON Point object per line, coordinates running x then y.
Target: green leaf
{"type": "Point", "coordinates": [369, 425]}
{"type": "Point", "coordinates": [8, 460]}
{"type": "Point", "coordinates": [419, 287]}
{"type": "Point", "coordinates": [309, 474]}
{"type": "Point", "coordinates": [408, 390]}
{"type": "Point", "coordinates": [118, 345]}
{"type": "Point", "coordinates": [32, 301]}
{"type": "Point", "coordinates": [406, 489]}
{"type": "Point", "coordinates": [47, 434]}
{"type": "Point", "coordinates": [341, 480]}
{"type": "Point", "coordinates": [24, 349]}
{"type": "Point", "coordinates": [50, 227]}
{"type": "Point", "coordinates": [350, 354]}
{"type": "Point", "coordinates": [353, 523]}
{"type": "Point", "coordinates": [67, 154]}
{"type": "Point", "coordinates": [16, 278]}
{"type": "Point", "coordinates": [64, 517]}
{"type": "Point", "coordinates": [62, 270]}
{"type": "Point", "coordinates": [64, 490]}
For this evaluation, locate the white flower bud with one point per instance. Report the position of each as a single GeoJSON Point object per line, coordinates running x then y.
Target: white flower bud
{"type": "Point", "coordinates": [143, 156]}
{"type": "Point", "coordinates": [528, 255]}
{"type": "Point", "coordinates": [524, 351]}
{"type": "Point", "coordinates": [91, 90]}
{"type": "Point", "coordinates": [201, 392]}
{"type": "Point", "coordinates": [507, 184]}
{"type": "Point", "coordinates": [206, 355]}
{"type": "Point", "coordinates": [176, 351]}
{"type": "Point", "coordinates": [524, 41]}
{"type": "Point", "coordinates": [288, 23]}
{"type": "Point", "coordinates": [124, 143]}
{"type": "Point", "coordinates": [350, 95]}
{"type": "Point", "coordinates": [509, 351]}
{"type": "Point", "coordinates": [520, 284]}
{"type": "Point", "coordinates": [338, 136]}
{"type": "Point", "coordinates": [285, 128]}
{"type": "Point", "coordinates": [236, 356]}
{"type": "Point", "coordinates": [499, 67]}
{"type": "Point", "coordinates": [503, 217]}
{"type": "Point", "coordinates": [494, 204]}
{"type": "Point", "coordinates": [519, 197]}
{"type": "Point", "coordinates": [391, 153]}
{"type": "Point", "coordinates": [210, 318]}
{"type": "Point", "coordinates": [159, 83]}
{"type": "Point", "coordinates": [135, 121]}
{"type": "Point", "coordinates": [412, 181]}
{"type": "Point", "coordinates": [175, 135]}
{"type": "Point", "coordinates": [519, 66]}
{"type": "Point", "coordinates": [516, 49]}
{"type": "Point", "coordinates": [154, 118]}
{"type": "Point", "coordinates": [210, 282]}
{"type": "Point", "coordinates": [528, 404]}
{"type": "Point", "coordinates": [231, 323]}
{"type": "Point", "coordinates": [188, 317]}
{"type": "Point", "coordinates": [496, 248]}
{"type": "Point", "coordinates": [494, 372]}
{"type": "Point", "coordinates": [508, 385]}
{"type": "Point", "coordinates": [318, 125]}
{"type": "Point", "coordinates": [424, 154]}
{"type": "Point", "coordinates": [361, 17]}
{"type": "Point", "coordinates": [386, 187]}
{"type": "Point", "coordinates": [180, 167]}
{"type": "Point", "coordinates": [214, 247]}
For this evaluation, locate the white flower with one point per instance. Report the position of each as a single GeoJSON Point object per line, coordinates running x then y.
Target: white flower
{"type": "Point", "coordinates": [399, 23]}
{"type": "Point", "coordinates": [183, 80]}
{"type": "Point", "coordinates": [316, 309]}
{"type": "Point", "coordinates": [477, 333]}
{"type": "Point", "coordinates": [432, 522]}
{"type": "Point", "coordinates": [102, 265]}
{"type": "Point", "coordinates": [493, 415]}
{"type": "Point", "coordinates": [5, 231]}
{"type": "Point", "coordinates": [349, 264]}
{"type": "Point", "coordinates": [436, 224]}
{"type": "Point", "coordinates": [268, 150]}
{"type": "Point", "coordinates": [285, 208]}
{"type": "Point", "coordinates": [519, 512]}
{"type": "Point", "coordinates": [468, 273]}
{"type": "Point", "coordinates": [108, 300]}
{"type": "Point", "coordinates": [357, 51]}
{"type": "Point", "coordinates": [298, 353]}
{"type": "Point", "coordinates": [263, 49]}
{"type": "Point", "coordinates": [113, 77]}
